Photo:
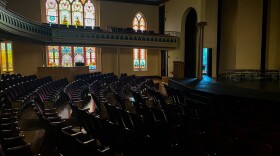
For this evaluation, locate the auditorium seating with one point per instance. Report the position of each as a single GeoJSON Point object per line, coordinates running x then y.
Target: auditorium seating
{"type": "Point", "coordinates": [142, 120]}
{"type": "Point", "coordinates": [12, 140]}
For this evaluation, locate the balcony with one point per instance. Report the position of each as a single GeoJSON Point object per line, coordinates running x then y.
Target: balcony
{"type": "Point", "coordinates": [15, 24]}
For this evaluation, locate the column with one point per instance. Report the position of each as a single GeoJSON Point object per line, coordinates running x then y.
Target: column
{"type": "Point", "coordinates": [200, 26]}
{"type": "Point", "coordinates": [44, 59]}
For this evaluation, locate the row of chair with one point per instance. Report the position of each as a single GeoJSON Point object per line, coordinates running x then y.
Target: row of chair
{"type": "Point", "coordinates": [18, 96]}
{"type": "Point", "coordinates": [5, 83]}
{"type": "Point", "coordinates": [11, 138]}
{"type": "Point", "coordinates": [9, 76]}
{"type": "Point", "coordinates": [65, 139]}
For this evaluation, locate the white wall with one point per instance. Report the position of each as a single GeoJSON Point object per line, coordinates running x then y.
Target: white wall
{"type": "Point", "coordinates": [110, 62]}
{"type": "Point", "coordinates": [228, 35]}
{"type": "Point", "coordinates": [249, 34]}
{"type": "Point", "coordinates": [27, 8]}
{"type": "Point", "coordinates": [176, 13]}
{"type": "Point", "coordinates": [121, 14]}
{"type": "Point", "coordinates": [27, 57]}
{"type": "Point", "coordinates": [273, 36]}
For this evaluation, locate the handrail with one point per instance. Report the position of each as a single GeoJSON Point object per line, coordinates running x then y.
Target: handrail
{"type": "Point", "coordinates": [14, 23]}
{"type": "Point", "coordinates": [251, 74]}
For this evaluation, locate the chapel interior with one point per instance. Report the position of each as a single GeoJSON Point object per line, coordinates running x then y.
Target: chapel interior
{"type": "Point", "coordinates": [139, 77]}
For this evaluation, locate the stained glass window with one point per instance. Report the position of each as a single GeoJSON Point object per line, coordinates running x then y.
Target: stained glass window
{"type": "Point", "coordinates": [10, 57]}
{"type": "Point", "coordinates": [77, 13]}
{"type": "Point", "coordinates": [136, 59]}
{"type": "Point", "coordinates": [91, 58]}
{"type": "Point", "coordinates": [143, 58]}
{"type": "Point", "coordinates": [7, 57]}
{"type": "Point", "coordinates": [3, 55]}
{"type": "Point", "coordinates": [89, 14]}
{"type": "Point", "coordinates": [139, 59]}
{"type": "Point", "coordinates": [52, 11]}
{"type": "Point", "coordinates": [53, 56]}
{"type": "Point", "coordinates": [64, 10]}
{"type": "Point", "coordinates": [139, 22]}
{"type": "Point", "coordinates": [69, 56]}
{"type": "Point", "coordinates": [79, 55]}
{"type": "Point", "coordinates": [70, 12]}
{"type": "Point", "coordinates": [66, 59]}
{"type": "Point", "coordinates": [139, 55]}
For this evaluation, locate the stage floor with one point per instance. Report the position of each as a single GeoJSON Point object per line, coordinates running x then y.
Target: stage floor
{"type": "Point", "coordinates": [256, 89]}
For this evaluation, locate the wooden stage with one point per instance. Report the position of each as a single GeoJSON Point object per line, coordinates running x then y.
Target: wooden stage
{"type": "Point", "coordinates": [267, 90]}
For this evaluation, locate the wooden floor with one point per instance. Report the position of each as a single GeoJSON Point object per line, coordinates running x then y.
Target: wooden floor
{"type": "Point", "coordinates": [253, 89]}
{"type": "Point", "coordinates": [33, 129]}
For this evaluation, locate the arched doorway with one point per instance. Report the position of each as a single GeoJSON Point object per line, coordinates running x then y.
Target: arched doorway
{"type": "Point", "coordinates": [190, 43]}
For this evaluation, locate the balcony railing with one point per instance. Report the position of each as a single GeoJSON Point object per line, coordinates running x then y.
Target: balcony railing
{"type": "Point", "coordinates": [59, 34]}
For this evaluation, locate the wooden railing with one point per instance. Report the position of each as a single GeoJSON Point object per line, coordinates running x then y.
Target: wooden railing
{"type": "Point", "coordinates": [251, 74]}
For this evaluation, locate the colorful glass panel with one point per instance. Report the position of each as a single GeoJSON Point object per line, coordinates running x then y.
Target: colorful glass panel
{"type": "Point", "coordinates": [10, 57]}
{"type": "Point", "coordinates": [142, 58]}
{"type": "Point", "coordinates": [139, 23]}
{"type": "Point", "coordinates": [89, 14]}
{"type": "Point", "coordinates": [142, 24]}
{"type": "Point", "coordinates": [77, 13]}
{"type": "Point", "coordinates": [135, 24]}
{"type": "Point", "coordinates": [3, 56]}
{"type": "Point", "coordinates": [52, 13]}
{"type": "Point", "coordinates": [91, 58]}
{"type": "Point", "coordinates": [64, 10]}
{"type": "Point", "coordinates": [136, 58]}
{"type": "Point", "coordinates": [79, 54]}
{"type": "Point", "coordinates": [66, 56]}
{"type": "Point", "coordinates": [139, 55]}
{"type": "Point", "coordinates": [53, 56]}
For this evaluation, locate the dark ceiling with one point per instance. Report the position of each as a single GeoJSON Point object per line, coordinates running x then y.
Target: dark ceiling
{"type": "Point", "coordinates": [148, 2]}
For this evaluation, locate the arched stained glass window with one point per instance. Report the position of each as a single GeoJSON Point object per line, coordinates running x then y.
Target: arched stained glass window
{"type": "Point", "coordinates": [139, 22]}
{"type": "Point", "coordinates": [91, 58]}
{"type": "Point", "coordinates": [77, 13]}
{"type": "Point", "coordinates": [7, 64]}
{"type": "Point", "coordinates": [64, 11]}
{"type": "Point", "coordinates": [66, 56]}
{"type": "Point", "coordinates": [53, 56]}
{"type": "Point", "coordinates": [139, 55]}
{"type": "Point", "coordinates": [70, 12]}
{"type": "Point", "coordinates": [79, 54]}
{"type": "Point", "coordinates": [89, 14]}
{"type": "Point", "coordinates": [52, 11]}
